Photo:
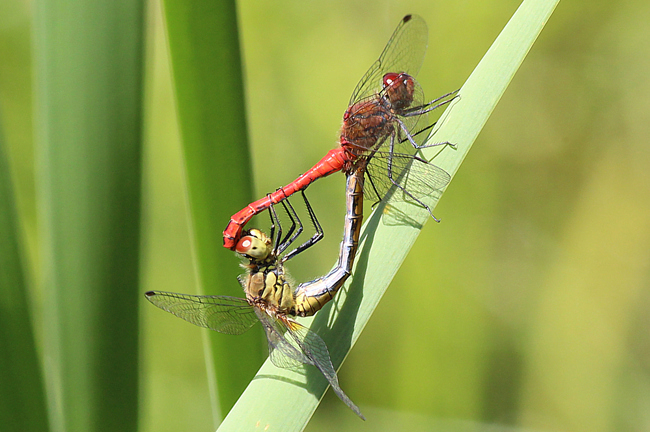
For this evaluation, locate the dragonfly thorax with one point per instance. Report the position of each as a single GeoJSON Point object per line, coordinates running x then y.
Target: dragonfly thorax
{"type": "Point", "coordinates": [365, 124]}
{"type": "Point", "coordinates": [268, 287]}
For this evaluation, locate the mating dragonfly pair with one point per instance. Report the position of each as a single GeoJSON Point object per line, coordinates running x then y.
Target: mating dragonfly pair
{"type": "Point", "coordinates": [383, 113]}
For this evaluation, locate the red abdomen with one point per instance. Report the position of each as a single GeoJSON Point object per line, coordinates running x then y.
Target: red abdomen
{"type": "Point", "coordinates": [335, 160]}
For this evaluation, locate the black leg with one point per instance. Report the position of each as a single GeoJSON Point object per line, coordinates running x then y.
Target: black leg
{"type": "Point", "coordinates": [318, 235]}
{"type": "Point", "coordinates": [295, 222]}
{"type": "Point", "coordinates": [275, 224]}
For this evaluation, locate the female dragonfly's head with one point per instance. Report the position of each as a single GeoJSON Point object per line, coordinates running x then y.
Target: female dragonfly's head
{"type": "Point", "coordinates": [255, 245]}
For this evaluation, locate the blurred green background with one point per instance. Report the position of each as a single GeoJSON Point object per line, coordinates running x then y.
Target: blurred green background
{"type": "Point", "coordinates": [526, 308]}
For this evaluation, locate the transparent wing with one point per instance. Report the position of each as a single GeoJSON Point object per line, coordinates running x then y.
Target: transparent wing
{"type": "Point", "coordinates": [315, 349]}
{"type": "Point", "coordinates": [404, 52]}
{"type": "Point", "coordinates": [292, 344]}
{"type": "Point", "coordinates": [284, 353]}
{"type": "Point", "coordinates": [419, 177]}
{"type": "Point", "coordinates": [230, 315]}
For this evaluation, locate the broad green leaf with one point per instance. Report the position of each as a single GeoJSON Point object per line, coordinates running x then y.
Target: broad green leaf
{"type": "Point", "coordinates": [284, 400]}
{"type": "Point", "coordinates": [22, 397]}
{"type": "Point", "coordinates": [88, 68]}
{"type": "Point", "coordinates": [206, 66]}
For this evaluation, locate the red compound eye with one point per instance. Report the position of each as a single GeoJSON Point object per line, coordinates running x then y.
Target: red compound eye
{"type": "Point", "coordinates": [390, 78]}
{"type": "Point", "coordinates": [253, 246]}
{"type": "Point", "coordinates": [244, 245]}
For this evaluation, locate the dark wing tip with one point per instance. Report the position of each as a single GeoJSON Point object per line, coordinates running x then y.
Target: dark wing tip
{"type": "Point", "coordinates": [407, 18]}
{"type": "Point", "coordinates": [149, 294]}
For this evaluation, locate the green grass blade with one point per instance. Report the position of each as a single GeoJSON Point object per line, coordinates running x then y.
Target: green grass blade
{"type": "Point", "coordinates": [89, 89]}
{"type": "Point", "coordinates": [206, 65]}
{"type": "Point", "coordinates": [22, 397]}
{"type": "Point", "coordinates": [285, 400]}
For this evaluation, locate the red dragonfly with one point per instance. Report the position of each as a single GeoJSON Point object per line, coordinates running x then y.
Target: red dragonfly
{"type": "Point", "coordinates": [383, 112]}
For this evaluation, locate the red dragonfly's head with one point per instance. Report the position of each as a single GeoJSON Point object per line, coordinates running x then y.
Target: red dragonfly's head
{"type": "Point", "coordinates": [399, 88]}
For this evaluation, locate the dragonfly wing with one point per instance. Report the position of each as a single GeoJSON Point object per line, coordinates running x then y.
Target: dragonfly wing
{"type": "Point", "coordinates": [282, 352]}
{"type": "Point", "coordinates": [230, 315]}
{"type": "Point", "coordinates": [418, 176]}
{"type": "Point", "coordinates": [315, 349]}
{"type": "Point", "coordinates": [404, 52]}
{"type": "Point", "coordinates": [292, 344]}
